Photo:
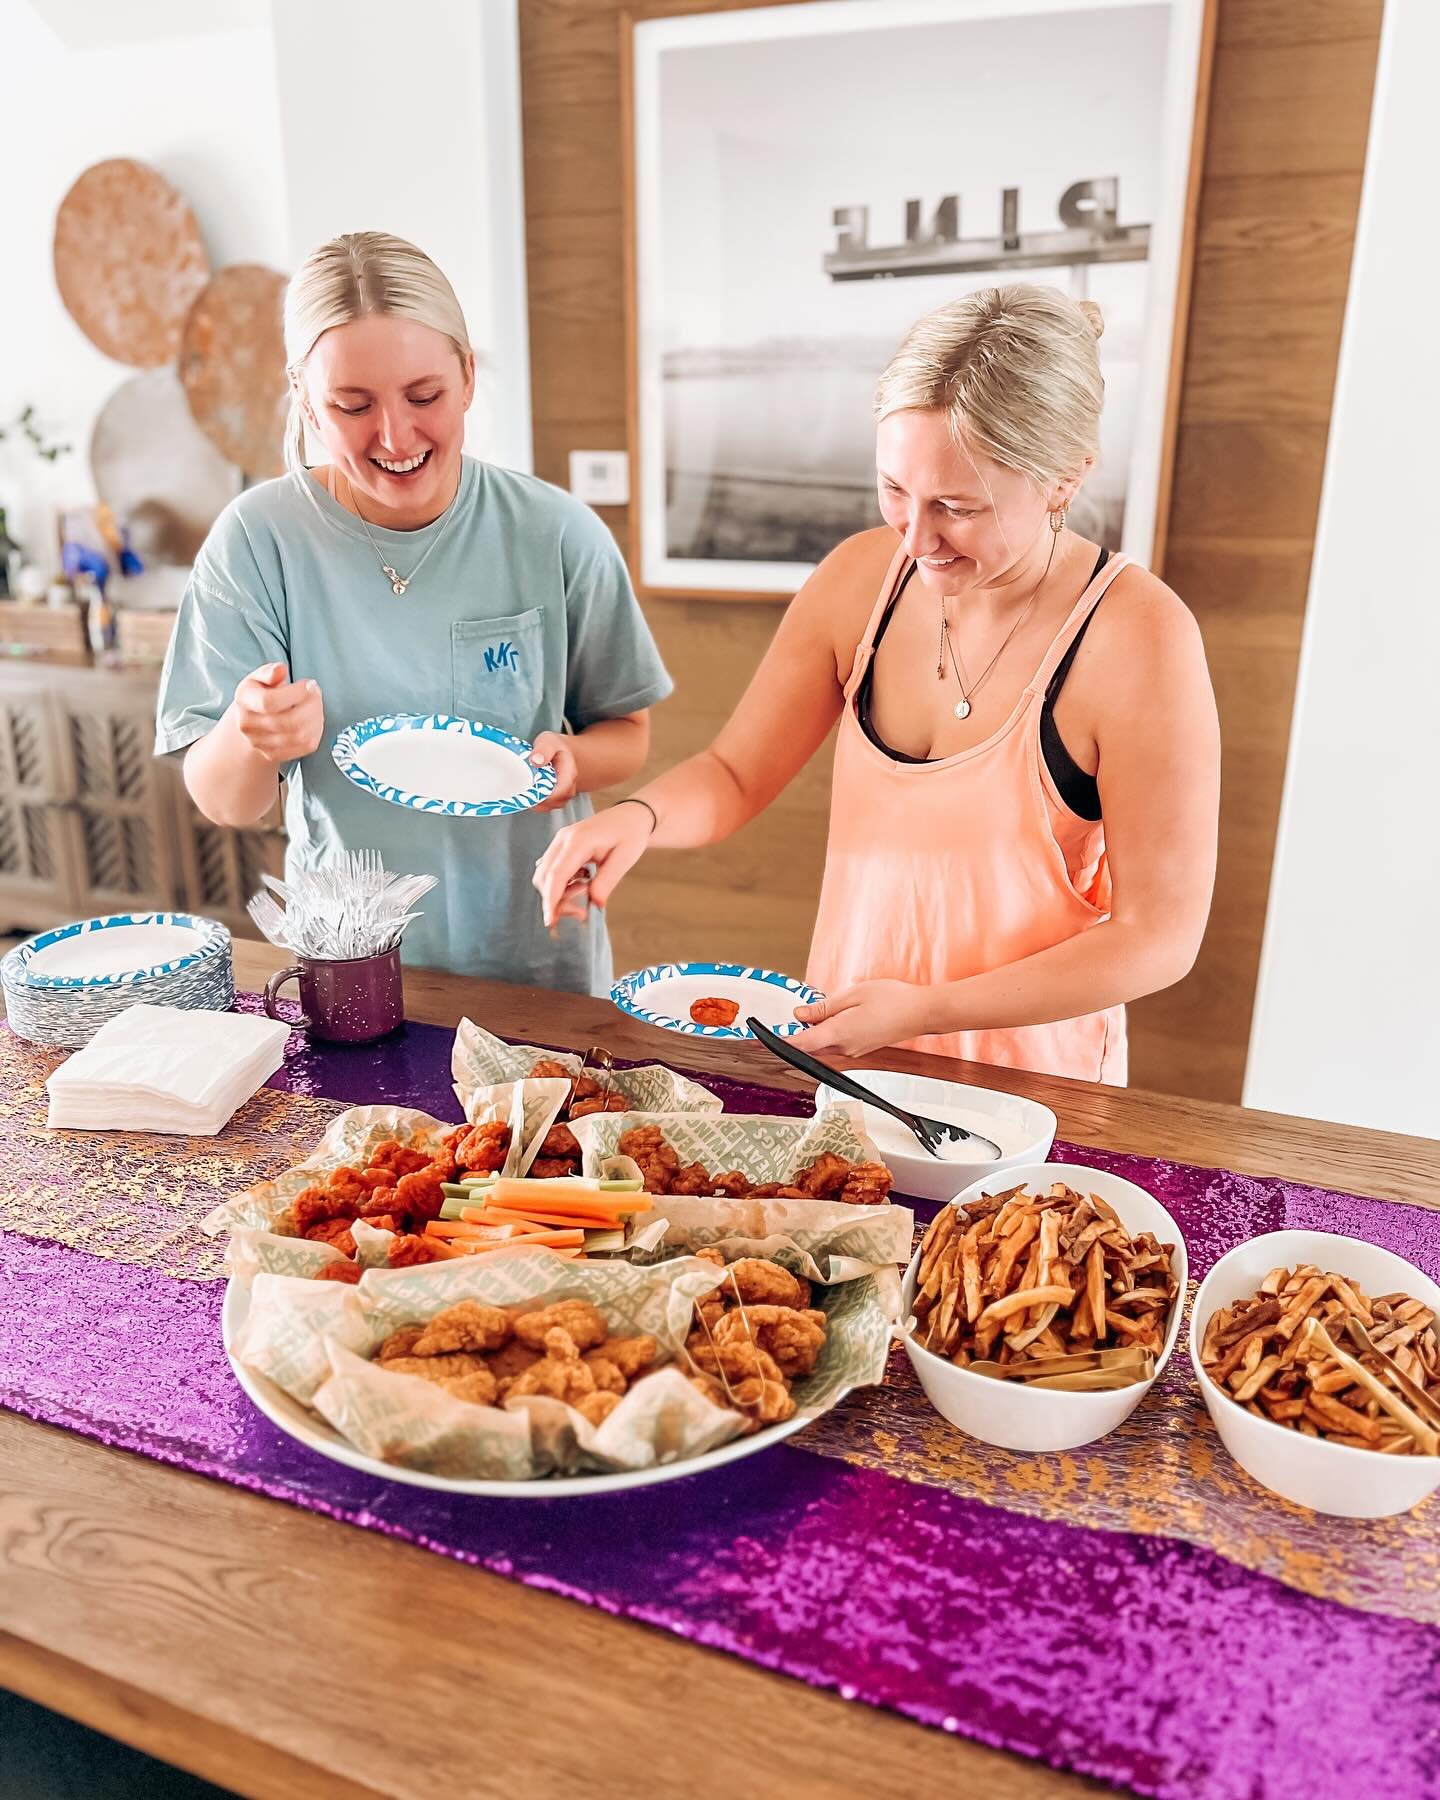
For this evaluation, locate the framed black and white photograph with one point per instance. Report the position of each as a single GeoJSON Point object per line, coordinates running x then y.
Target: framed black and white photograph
{"type": "Point", "coordinates": [808, 180]}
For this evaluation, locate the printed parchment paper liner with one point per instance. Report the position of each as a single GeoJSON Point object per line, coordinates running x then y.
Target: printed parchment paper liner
{"type": "Point", "coordinates": [481, 1062]}
{"type": "Point", "coordinates": [313, 1339]}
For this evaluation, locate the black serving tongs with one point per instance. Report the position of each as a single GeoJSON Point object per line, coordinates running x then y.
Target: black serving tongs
{"type": "Point", "coordinates": [931, 1132]}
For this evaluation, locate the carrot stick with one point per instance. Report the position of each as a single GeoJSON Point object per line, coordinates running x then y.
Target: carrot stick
{"type": "Point", "coordinates": [523, 1195]}
{"type": "Point", "coordinates": [540, 1239]}
{"type": "Point", "coordinates": [570, 1222]}
{"type": "Point", "coordinates": [441, 1251]}
{"type": "Point", "coordinates": [495, 1246]}
{"type": "Point", "coordinates": [463, 1228]}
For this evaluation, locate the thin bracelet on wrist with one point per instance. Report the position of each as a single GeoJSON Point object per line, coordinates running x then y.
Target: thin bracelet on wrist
{"type": "Point", "coordinates": [635, 800]}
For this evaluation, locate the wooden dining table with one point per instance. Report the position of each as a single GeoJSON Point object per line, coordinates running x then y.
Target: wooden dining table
{"type": "Point", "coordinates": [233, 1635]}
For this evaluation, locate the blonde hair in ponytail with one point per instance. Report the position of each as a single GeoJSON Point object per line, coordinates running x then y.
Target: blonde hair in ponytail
{"type": "Point", "coordinates": [1016, 370]}
{"type": "Point", "coordinates": [360, 273]}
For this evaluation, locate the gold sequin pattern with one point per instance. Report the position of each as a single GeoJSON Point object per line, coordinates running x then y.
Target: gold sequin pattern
{"type": "Point", "coordinates": [1165, 1473]}
{"type": "Point", "coordinates": [137, 1197]}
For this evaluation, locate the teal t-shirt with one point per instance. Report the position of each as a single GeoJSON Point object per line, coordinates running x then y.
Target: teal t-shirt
{"type": "Point", "coordinates": [522, 616]}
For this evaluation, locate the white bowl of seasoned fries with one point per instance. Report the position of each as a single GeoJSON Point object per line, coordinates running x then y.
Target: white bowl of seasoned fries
{"type": "Point", "coordinates": [1318, 1358]}
{"type": "Point", "coordinates": [1043, 1304]}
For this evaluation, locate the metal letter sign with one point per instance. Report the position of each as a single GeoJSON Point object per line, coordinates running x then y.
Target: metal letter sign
{"type": "Point", "coordinates": [1090, 232]}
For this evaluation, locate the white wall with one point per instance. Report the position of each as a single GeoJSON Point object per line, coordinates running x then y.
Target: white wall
{"type": "Point", "coordinates": [406, 118]}
{"type": "Point", "coordinates": [201, 109]}
{"type": "Point", "coordinates": [281, 128]}
{"type": "Point", "coordinates": [1347, 1017]}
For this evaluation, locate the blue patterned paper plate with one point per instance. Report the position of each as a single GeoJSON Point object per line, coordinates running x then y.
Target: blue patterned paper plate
{"type": "Point", "coordinates": [118, 950]}
{"type": "Point", "coordinates": [664, 994]}
{"type": "Point", "coordinates": [438, 763]}
{"type": "Point", "coordinates": [69, 1011]}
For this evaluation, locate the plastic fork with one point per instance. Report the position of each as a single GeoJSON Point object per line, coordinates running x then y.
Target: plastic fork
{"type": "Point", "coordinates": [931, 1133]}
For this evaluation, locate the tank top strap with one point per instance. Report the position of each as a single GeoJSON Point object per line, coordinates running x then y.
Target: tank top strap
{"type": "Point", "coordinates": [894, 576]}
{"type": "Point", "coordinates": [1080, 612]}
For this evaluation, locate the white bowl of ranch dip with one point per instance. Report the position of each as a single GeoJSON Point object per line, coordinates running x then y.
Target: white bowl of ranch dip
{"type": "Point", "coordinates": [1024, 1130]}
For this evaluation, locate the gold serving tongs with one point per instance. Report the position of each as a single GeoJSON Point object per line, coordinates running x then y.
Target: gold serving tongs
{"type": "Point", "coordinates": [719, 1371]}
{"type": "Point", "coordinates": [1314, 1333]}
{"type": "Point", "coordinates": [1424, 1404]}
{"type": "Point", "coordinates": [600, 1064]}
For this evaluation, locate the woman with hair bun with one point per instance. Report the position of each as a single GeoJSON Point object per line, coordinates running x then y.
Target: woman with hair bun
{"type": "Point", "coordinates": [404, 576]}
{"type": "Point", "coordinates": [1027, 770]}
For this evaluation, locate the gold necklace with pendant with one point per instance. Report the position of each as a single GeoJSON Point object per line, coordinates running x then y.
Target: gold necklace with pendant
{"type": "Point", "coordinates": [399, 582]}
{"type": "Point", "coordinates": [962, 708]}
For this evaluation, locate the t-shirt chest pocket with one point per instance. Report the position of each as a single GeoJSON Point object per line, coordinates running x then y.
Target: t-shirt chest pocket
{"type": "Point", "coordinates": [498, 667]}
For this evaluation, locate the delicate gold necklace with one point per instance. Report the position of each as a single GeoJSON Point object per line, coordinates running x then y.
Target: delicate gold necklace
{"type": "Point", "coordinates": [399, 582]}
{"type": "Point", "coordinates": [968, 689]}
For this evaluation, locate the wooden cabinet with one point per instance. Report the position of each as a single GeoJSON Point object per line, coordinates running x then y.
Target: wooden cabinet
{"type": "Point", "coordinates": [220, 868]}
{"type": "Point", "coordinates": [91, 822]}
{"type": "Point", "coordinates": [36, 867]}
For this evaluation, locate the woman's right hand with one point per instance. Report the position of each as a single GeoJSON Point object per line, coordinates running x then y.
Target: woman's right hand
{"type": "Point", "coordinates": [610, 843]}
{"type": "Point", "coordinates": [280, 719]}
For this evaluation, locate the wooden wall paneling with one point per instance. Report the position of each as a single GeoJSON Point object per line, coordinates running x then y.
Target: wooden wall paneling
{"type": "Point", "coordinates": [1284, 156]}
{"type": "Point", "coordinates": [1280, 177]}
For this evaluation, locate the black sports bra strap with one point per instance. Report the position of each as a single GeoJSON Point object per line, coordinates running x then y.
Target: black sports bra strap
{"type": "Point", "coordinates": [889, 612]}
{"type": "Point", "coordinates": [1062, 669]}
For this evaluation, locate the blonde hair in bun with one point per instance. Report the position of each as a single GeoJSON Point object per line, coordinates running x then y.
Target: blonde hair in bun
{"type": "Point", "coordinates": [1094, 318]}
{"type": "Point", "coordinates": [1016, 370]}
{"type": "Point", "coordinates": [351, 277]}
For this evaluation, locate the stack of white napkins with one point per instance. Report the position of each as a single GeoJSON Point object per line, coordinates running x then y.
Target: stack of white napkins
{"type": "Point", "coordinates": [166, 1068]}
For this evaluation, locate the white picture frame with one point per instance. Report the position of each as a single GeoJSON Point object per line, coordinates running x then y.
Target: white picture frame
{"type": "Point", "coordinates": [771, 194]}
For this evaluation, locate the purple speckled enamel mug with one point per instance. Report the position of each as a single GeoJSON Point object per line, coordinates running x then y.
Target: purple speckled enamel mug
{"type": "Point", "coordinates": [345, 1002]}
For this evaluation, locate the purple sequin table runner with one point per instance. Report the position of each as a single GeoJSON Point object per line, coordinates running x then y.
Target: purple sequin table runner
{"type": "Point", "coordinates": [1143, 1660]}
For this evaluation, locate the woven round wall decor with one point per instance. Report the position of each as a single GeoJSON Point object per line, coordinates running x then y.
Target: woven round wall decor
{"type": "Point", "coordinates": [129, 261]}
{"type": "Point", "coordinates": [232, 362]}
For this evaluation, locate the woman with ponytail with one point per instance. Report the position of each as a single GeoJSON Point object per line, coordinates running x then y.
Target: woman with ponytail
{"type": "Point", "coordinates": [403, 576]}
{"type": "Point", "coordinates": [1027, 767]}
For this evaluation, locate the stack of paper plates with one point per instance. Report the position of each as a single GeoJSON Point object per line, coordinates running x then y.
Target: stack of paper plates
{"type": "Point", "coordinates": [62, 985]}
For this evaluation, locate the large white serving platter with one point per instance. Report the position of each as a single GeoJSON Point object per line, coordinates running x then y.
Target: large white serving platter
{"type": "Point", "coordinates": [309, 1429]}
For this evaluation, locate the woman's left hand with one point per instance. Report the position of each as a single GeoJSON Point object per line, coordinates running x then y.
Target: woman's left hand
{"type": "Point", "coordinates": [865, 1017]}
{"type": "Point", "coordinates": [552, 749]}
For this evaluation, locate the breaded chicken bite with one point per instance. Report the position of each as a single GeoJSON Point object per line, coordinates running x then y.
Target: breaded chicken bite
{"type": "Point", "coordinates": [584, 1323]}
{"type": "Point", "coordinates": [468, 1325]}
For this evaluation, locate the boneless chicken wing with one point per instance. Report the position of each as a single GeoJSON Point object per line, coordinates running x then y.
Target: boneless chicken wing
{"type": "Point", "coordinates": [560, 1140]}
{"type": "Point", "coordinates": [340, 1270]}
{"type": "Point", "coordinates": [559, 1374]}
{"type": "Point", "coordinates": [793, 1338]}
{"type": "Point", "coordinates": [868, 1184]}
{"type": "Point", "coordinates": [419, 1195]}
{"type": "Point", "coordinates": [584, 1324]}
{"type": "Point", "coordinates": [468, 1325]}
{"type": "Point", "coordinates": [484, 1148]}
{"type": "Point", "coordinates": [754, 1282]}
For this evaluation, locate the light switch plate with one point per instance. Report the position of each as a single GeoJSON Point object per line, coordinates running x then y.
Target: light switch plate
{"type": "Point", "coordinates": [600, 477]}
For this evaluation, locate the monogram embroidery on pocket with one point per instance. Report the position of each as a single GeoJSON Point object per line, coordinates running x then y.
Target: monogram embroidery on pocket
{"type": "Point", "coordinates": [503, 655]}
